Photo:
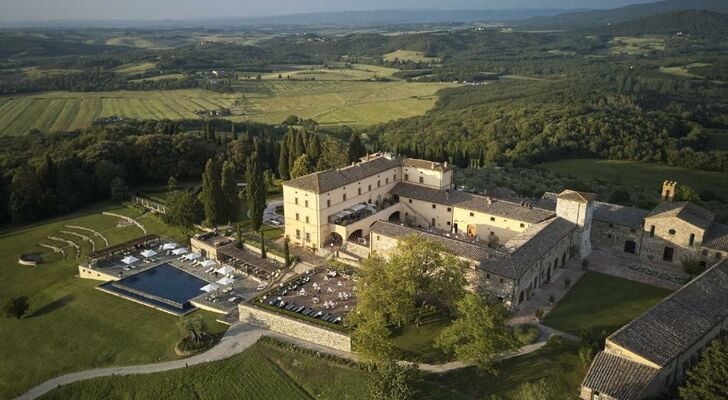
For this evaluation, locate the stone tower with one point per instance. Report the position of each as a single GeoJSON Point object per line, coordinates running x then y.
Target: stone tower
{"type": "Point", "coordinates": [577, 208]}
{"type": "Point", "coordinates": [669, 190]}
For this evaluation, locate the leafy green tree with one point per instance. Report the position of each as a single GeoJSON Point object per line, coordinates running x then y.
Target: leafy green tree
{"type": "Point", "coordinates": [313, 148]}
{"type": "Point", "coordinates": [16, 307]}
{"type": "Point", "coordinates": [707, 379]}
{"type": "Point", "coordinates": [478, 334]}
{"type": "Point", "coordinates": [391, 381]}
{"type": "Point", "coordinates": [291, 120]}
{"type": "Point", "coordinates": [119, 189]}
{"type": "Point", "coordinates": [333, 155]}
{"type": "Point", "coordinates": [172, 184]}
{"type": "Point", "coordinates": [691, 264]}
{"type": "Point", "coordinates": [301, 167]}
{"type": "Point", "coordinates": [371, 335]}
{"type": "Point", "coordinates": [211, 196]}
{"type": "Point", "coordinates": [686, 193]}
{"type": "Point", "coordinates": [183, 210]}
{"type": "Point", "coordinates": [255, 190]}
{"type": "Point", "coordinates": [229, 188]}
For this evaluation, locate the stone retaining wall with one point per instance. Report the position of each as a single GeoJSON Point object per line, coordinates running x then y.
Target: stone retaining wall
{"type": "Point", "coordinates": [295, 328]}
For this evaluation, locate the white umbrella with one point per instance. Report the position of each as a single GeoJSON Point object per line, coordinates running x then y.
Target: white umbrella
{"type": "Point", "coordinates": [179, 251]}
{"type": "Point", "coordinates": [128, 260]}
{"type": "Point", "coordinates": [225, 281]}
{"type": "Point", "coordinates": [208, 264]}
{"type": "Point", "coordinates": [209, 288]}
{"type": "Point", "coordinates": [193, 256]}
{"type": "Point", "coordinates": [148, 253]}
{"type": "Point", "coordinates": [169, 246]}
{"type": "Point", "coordinates": [225, 269]}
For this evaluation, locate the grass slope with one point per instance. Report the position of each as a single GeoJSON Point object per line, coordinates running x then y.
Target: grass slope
{"type": "Point", "coordinates": [639, 174]}
{"type": "Point", "coordinates": [602, 303]}
{"type": "Point", "coordinates": [71, 326]}
{"type": "Point", "coordinates": [261, 372]}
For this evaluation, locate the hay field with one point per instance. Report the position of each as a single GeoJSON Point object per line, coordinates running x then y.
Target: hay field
{"type": "Point", "coordinates": [357, 72]}
{"type": "Point", "coordinates": [636, 45]}
{"type": "Point", "coordinates": [410, 55]}
{"type": "Point", "coordinates": [63, 111]}
{"type": "Point", "coordinates": [335, 103]}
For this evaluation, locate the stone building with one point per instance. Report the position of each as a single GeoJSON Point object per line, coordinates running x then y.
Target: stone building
{"type": "Point", "coordinates": [652, 353]}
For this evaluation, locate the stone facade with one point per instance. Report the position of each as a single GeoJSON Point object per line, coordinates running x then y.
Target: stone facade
{"type": "Point", "coordinates": [619, 238]}
{"type": "Point", "coordinates": [295, 328]}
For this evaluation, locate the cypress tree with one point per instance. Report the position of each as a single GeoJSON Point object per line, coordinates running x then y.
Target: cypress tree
{"type": "Point", "coordinates": [356, 148]}
{"type": "Point", "coordinates": [286, 253]}
{"type": "Point", "coordinates": [229, 190]}
{"type": "Point", "coordinates": [313, 149]}
{"type": "Point", "coordinates": [263, 252]}
{"type": "Point", "coordinates": [255, 190]}
{"type": "Point", "coordinates": [283, 170]}
{"type": "Point", "coordinates": [212, 193]}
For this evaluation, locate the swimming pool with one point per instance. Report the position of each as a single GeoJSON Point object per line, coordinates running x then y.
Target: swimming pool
{"type": "Point", "coordinates": [164, 286]}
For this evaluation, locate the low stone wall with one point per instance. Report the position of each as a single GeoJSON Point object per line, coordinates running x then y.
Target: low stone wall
{"type": "Point", "coordinates": [295, 328]}
{"type": "Point", "coordinates": [256, 250]}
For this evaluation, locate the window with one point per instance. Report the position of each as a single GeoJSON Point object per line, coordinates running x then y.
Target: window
{"type": "Point", "coordinates": [718, 255]}
{"type": "Point", "coordinates": [491, 218]}
{"type": "Point", "coordinates": [487, 275]}
{"type": "Point", "coordinates": [652, 231]}
{"type": "Point", "coordinates": [406, 177]}
{"type": "Point", "coordinates": [394, 177]}
{"type": "Point", "coordinates": [308, 237]}
{"type": "Point", "coordinates": [378, 238]}
{"type": "Point", "coordinates": [379, 183]}
{"type": "Point", "coordinates": [344, 197]}
{"type": "Point", "coordinates": [449, 209]}
{"type": "Point", "coordinates": [369, 188]}
{"type": "Point", "coordinates": [328, 203]}
{"type": "Point", "coordinates": [434, 206]}
{"type": "Point", "coordinates": [492, 233]}
{"type": "Point", "coordinates": [705, 253]}
{"type": "Point", "coordinates": [295, 200]}
{"type": "Point", "coordinates": [692, 239]}
{"type": "Point", "coordinates": [501, 280]}
{"type": "Point", "coordinates": [410, 201]}
{"type": "Point", "coordinates": [472, 214]}
{"type": "Point", "coordinates": [305, 203]}
{"type": "Point", "coordinates": [523, 225]}
{"type": "Point", "coordinates": [422, 180]}
{"type": "Point", "coordinates": [306, 219]}
{"type": "Point", "coordinates": [671, 231]}
{"type": "Point", "coordinates": [611, 225]}
{"type": "Point", "coordinates": [358, 190]}
{"type": "Point", "coordinates": [296, 216]}
{"type": "Point", "coordinates": [448, 223]}
{"type": "Point", "coordinates": [433, 222]}
{"type": "Point", "coordinates": [298, 234]}
{"type": "Point", "coordinates": [609, 235]}
{"type": "Point", "coordinates": [386, 181]}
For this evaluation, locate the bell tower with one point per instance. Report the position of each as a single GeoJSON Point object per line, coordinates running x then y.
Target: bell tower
{"type": "Point", "coordinates": [669, 189]}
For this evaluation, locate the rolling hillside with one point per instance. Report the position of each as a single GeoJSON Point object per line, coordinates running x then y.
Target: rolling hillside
{"type": "Point", "coordinates": [689, 22]}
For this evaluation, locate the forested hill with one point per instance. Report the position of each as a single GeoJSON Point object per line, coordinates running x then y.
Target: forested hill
{"type": "Point", "coordinates": [687, 22]}
{"type": "Point", "coordinates": [599, 18]}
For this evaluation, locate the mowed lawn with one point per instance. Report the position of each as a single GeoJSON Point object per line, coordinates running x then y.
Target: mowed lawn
{"type": "Point", "coordinates": [71, 326]}
{"type": "Point", "coordinates": [63, 111]}
{"type": "Point", "coordinates": [263, 371]}
{"type": "Point", "coordinates": [640, 174]}
{"type": "Point", "coordinates": [335, 103]}
{"type": "Point", "coordinates": [602, 303]}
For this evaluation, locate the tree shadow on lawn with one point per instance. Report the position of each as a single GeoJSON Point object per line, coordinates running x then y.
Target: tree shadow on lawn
{"type": "Point", "coordinates": [52, 306]}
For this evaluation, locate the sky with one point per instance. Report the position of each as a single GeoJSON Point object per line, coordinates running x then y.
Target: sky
{"type": "Point", "coordinates": [29, 10]}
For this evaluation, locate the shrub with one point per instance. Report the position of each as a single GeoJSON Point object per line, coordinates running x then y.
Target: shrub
{"type": "Point", "coordinates": [526, 333]}
{"type": "Point", "coordinates": [552, 300]}
{"type": "Point", "coordinates": [539, 314]}
{"type": "Point", "coordinates": [584, 263]}
{"type": "Point", "coordinates": [586, 354]}
{"type": "Point", "coordinates": [16, 307]}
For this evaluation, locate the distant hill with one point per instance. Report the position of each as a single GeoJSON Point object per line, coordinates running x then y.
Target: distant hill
{"type": "Point", "coordinates": [692, 22]}
{"type": "Point", "coordinates": [598, 18]}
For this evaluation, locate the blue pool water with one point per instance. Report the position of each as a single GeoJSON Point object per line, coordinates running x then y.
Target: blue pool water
{"type": "Point", "coordinates": [163, 286]}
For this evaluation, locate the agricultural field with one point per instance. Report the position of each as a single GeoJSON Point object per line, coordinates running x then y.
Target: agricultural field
{"type": "Point", "coordinates": [159, 78]}
{"type": "Point", "coordinates": [263, 371]}
{"type": "Point", "coordinates": [128, 69]}
{"type": "Point", "coordinates": [410, 55]}
{"type": "Point", "coordinates": [70, 325]}
{"type": "Point", "coordinates": [636, 45]}
{"type": "Point", "coordinates": [62, 111]}
{"type": "Point", "coordinates": [602, 303]}
{"type": "Point", "coordinates": [137, 42]}
{"type": "Point", "coordinates": [337, 72]}
{"type": "Point", "coordinates": [633, 173]}
{"type": "Point", "coordinates": [684, 70]}
{"type": "Point", "coordinates": [335, 103]}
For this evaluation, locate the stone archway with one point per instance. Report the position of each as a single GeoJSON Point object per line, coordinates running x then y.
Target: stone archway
{"type": "Point", "coordinates": [472, 230]}
{"type": "Point", "coordinates": [394, 217]}
{"type": "Point", "coordinates": [356, 235]}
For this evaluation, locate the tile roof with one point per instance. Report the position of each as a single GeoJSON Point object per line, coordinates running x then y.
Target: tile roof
{"type": "Point", "coordinates": [573, 195]}
{"type": "Point", "coordinates": [679, 321]}
{"type": "Point", "coordinates": [324, 181]}
{"type": "Point", "coordinates": [716, 237]}
{"type": "Point", "coordinates": [686, 211]}
{"type": "Point", "coordinates": [618, 377]}
{"type": "Point", "coordinates": [424, 164]}
{"type": "Point", "coordinates": [512, 262]}
{"type": "Point", "coordinates": [619, 215]}
{"type": "Point", "coordinates": [472, 202]}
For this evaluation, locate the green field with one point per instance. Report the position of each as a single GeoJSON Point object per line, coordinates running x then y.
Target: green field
{"type": "Point", "coordinates": [410, 55]}
{"type": "Point", "coordinates": [135, 68]}
{"type": "Point", "coordinates": [602, 303]}
{"type": "Point", "coordinates": [338, 72]}
{"type": "Point", "coordinates": [335, 103]}
{"type": "Point", "coordinates": [683, 70]}
{"type": "Point", "coordinates": [640, 174]}
{"type": "Point", "coordinates": [71, 326]}
{"type": "Point", "coordinates": [61, 111]}
{"type": "Point", "coordinates": [636, 45]}
{"type": "Point", "coordinates": [263, 371]}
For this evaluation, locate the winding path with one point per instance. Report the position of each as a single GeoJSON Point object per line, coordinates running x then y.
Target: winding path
{"type": "Point", "coordinates": [240, 337]}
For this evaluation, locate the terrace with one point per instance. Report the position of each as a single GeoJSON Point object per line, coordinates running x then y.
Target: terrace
{"type": "Point", "coordinates": [362, 211]}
